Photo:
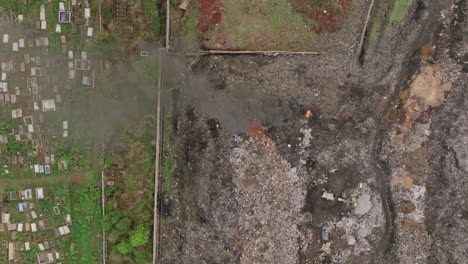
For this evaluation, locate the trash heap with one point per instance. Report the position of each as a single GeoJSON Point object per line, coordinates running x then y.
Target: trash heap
{"type": "Point", "coordinates": [270, 196]}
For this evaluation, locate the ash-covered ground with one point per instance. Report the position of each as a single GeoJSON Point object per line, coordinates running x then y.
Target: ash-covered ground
{"type": "Point", "coordinates": [375, 174]}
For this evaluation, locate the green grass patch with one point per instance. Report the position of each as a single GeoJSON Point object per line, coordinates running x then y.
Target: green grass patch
{"type": "Point", "coordinates": [168, 173]}
{"type": "Point", "coordinates": [376, 28]}
{"type": "Point", "coordinates": [86, 215]}
{"type": "Point", "coordinates": [189, 35]}
{"type": "Point", "coordinates": [169, 162]}
{"type": "Point", "coordinates": [260, 25]}
{"type": "Point", "coordinates": [7, 6]}
{"type": "Point", "coordinates": [374, 34]}
{"type": "Point", "coordinates": [400, 10]}
{"type": "Point", "coordinates": [151, 11]}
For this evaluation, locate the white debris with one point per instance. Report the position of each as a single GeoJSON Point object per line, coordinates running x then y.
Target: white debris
{"type": "Point", "coordinates": [351, 240]}
{"type": "Point", "coordinates": [328, 196]}
{"type": "Point", "coordinates": [364, 205]}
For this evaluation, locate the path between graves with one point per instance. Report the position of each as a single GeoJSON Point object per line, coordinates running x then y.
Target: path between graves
{"type": "Point", "coordinates": [78, 177]}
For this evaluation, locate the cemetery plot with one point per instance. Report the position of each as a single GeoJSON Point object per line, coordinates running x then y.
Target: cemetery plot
{"type": "Point", "coordinates": [50, 224]}
{"type": "Point", "coordinates": [44, 89]}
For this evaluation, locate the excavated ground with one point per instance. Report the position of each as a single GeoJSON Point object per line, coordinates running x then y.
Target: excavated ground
{"type": "Point", "coordinates": [385, 145]}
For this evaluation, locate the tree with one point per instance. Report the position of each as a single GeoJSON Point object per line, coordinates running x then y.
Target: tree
{"type": "Point", "coordinates": [124, 247]}
{"type": "Point", "coordinates": [140, 236]}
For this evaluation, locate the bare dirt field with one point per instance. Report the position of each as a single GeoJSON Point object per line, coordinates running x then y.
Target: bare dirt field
{"type": "Point", "coordinates": [265, 25]}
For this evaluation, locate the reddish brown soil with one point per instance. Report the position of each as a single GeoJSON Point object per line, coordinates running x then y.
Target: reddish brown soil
{"type": "Point", "coordinates": [211, 13]}
{"type": "Point", "coordinates": [255, 131]}
{"type": "Point", "coordinates": [329, 17]}
{"type": "Point", "coordinates": [334, 17]}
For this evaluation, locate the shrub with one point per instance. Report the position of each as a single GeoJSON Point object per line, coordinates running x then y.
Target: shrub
{"type": "Point", "coordinates": [124, 247]}
{"type": "Point", "coordinates": [140, 236]}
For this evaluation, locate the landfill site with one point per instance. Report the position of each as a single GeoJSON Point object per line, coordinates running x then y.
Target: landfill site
{"type": "Point", "coordinates": [354, 154]}
{"type": "Point", "coordinates": [234, 131]}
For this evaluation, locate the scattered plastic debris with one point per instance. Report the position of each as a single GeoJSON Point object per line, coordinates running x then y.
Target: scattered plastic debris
{"type": "Point", "coordinates": [326, 248]}
{"type": "Point", "coordinates": [325, 235]}
{"type": "Point", "coordinates": [341, 223]}
{"type": "Point", "coordinates": [222, 41]}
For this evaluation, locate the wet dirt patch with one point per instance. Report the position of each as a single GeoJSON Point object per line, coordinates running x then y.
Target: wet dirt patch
{"type": "Point", "coordinates": [211, 13]}
{"type": "Point", "coordinates": [325, 15]}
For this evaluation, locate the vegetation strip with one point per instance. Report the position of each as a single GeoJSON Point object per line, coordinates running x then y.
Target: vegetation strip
{"type": "Point", "coordinates": [157, 162]}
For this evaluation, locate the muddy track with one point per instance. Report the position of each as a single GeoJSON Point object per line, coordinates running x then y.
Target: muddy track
{"type": "Point", "coordinates": [380, 167]}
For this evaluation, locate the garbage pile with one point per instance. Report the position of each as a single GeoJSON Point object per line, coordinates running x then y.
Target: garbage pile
{"type": "Point", "coordinates": [353, 234]}
{"type": "Point", "coordinates": [270, 196]}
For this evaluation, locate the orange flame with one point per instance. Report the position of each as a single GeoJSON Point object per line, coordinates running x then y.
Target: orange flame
{"type": "Point", "coordinates": [308, 113]}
